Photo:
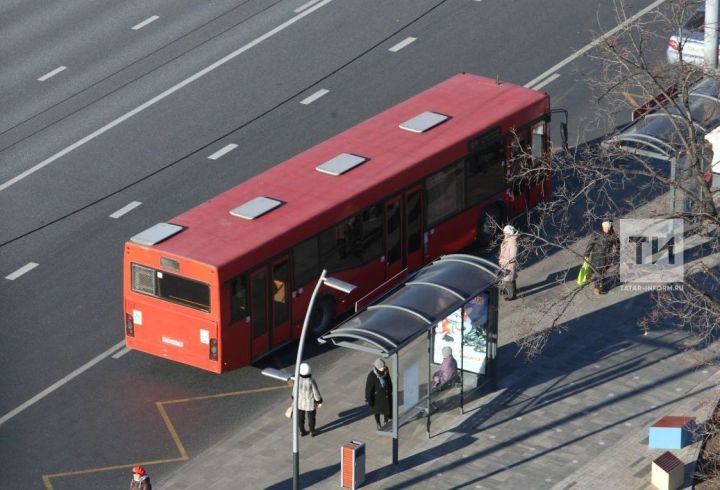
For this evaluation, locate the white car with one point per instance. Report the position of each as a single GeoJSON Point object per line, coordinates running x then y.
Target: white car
{"type": "Point", "coordinates": [690, 39]}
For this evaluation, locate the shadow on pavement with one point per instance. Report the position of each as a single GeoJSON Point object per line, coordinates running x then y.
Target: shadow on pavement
{"type": "Point", "coordinates": [345, 417]}
{"type": "Point", "coordinates": [308, 478]}
{"type": "Point", "coordinates": [553, 377]}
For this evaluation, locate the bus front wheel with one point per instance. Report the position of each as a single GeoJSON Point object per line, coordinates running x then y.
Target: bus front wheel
{"type": "Point", "coordinates": [322, 316]}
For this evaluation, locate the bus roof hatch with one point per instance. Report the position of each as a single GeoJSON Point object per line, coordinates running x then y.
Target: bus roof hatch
{"type": "Point", "coordinates": [424, 122]}
{"type": "Point", "coordinates": [156, 234]}
{"type": "Point", "coordinates": [255, 208]}
{"type": "Point", "coordinates": [340, 164]}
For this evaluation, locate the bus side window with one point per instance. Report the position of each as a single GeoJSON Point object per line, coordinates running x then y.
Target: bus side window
{"type": "Point", "coordinates": [350, 233]}
{"type": "Point", "coordinates": [372, 237]}
{"type": "Point", "coordinates": [485, 171]}
{"type": "Point", "coordinates": [538, 141]}
{"type": "Point", "coordinates": [539, 150]}
{"type": "Point", "coordinates": [306, 267]}
{"type": "Point", "coordinates": [518, 167]}
{"type": "Point", "coordinates": [445, 191]}
{"type": "Point", "coordinates": [341, 246]}
{"type": "Point", "coordinates": [238, 299]}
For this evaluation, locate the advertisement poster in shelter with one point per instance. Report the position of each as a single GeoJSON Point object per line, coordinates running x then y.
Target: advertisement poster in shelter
{"type": "Point", "coordinates": [474, 318]}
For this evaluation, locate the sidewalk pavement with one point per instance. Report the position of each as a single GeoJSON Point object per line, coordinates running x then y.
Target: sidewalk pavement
{"type": "Point", "coordinates": [575, 417]}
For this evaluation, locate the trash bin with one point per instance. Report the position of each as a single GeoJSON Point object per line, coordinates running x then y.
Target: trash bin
{"type": "Point", "coordinates": [352, 464]}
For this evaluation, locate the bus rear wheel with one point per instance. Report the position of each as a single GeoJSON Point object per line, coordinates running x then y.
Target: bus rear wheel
{"type": "Point", "coordinates": [322, 316]}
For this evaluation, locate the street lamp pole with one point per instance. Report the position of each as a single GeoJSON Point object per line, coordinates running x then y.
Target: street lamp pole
{"type": "Point", "coordinates": [298, 360]}
{"type": "Point", "coordinates": [711, 35]}
{"type": "Point", "coordinates": [340, 286]}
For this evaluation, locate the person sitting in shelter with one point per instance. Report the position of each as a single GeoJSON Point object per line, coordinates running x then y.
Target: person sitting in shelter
{"type": "Point", "coordinates": [448, 368]}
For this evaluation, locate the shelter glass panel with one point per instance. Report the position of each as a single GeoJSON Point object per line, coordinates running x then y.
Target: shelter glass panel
{"type": "Point", "coordinates": [412, 378]}
{"type": "Point", "coordinates": [465, 332]}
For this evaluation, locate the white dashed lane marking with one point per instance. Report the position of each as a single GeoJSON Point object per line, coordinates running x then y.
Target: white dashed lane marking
{"type": "Point", "coordinates": [147, 21]}
{"type": "Point", "coordinates": [223, 151]}
{"type": "Point", "coordinates": [314, 97]}
{"type": "Point", "coordinates": [125, 209]}
{"type": "Point", "coordinates": [52, 73]}
{"type": "Point", "coordinates": [402, 44]}
{"type": "Point", "coordinates": [22, 270]}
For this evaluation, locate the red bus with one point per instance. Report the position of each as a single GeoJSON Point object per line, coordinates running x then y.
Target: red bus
{"type": "Point", "coordinates": [230, 280]}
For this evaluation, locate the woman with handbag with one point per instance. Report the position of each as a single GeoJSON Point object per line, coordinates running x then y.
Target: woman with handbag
{"type": "Point", "coordinates": [309, 399]}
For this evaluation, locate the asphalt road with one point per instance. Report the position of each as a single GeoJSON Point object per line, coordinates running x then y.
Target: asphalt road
{"type": "Point", "coordinates": [133, 117]}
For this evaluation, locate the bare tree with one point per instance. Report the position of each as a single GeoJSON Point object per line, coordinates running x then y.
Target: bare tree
{"type": "Point", "coordinates": [634, 176]}
{"type": "Point", "coordinates": [611, 177]}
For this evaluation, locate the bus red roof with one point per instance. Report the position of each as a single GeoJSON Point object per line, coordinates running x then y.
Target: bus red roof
{"type": "Point", "coordinates": [314, 200]}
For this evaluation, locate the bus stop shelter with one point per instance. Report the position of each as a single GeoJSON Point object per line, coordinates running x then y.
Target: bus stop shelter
{"type": "Point", "coordinates": [661, 131]}
{"type": "Point", "coordinates": [409, 322]}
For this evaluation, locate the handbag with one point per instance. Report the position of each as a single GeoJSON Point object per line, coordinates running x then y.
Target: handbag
{"type": "Point", "coordinates": [288, 412]}
{"type": "Point", "coordinates": [584, 274]}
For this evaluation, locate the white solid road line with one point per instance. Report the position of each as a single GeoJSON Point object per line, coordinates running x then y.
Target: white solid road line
{"type": "Point", "coordinates": [223, 151]}
{"type": "Point", "coordinates": [546, 81]}
{"type": "Point", "coordinates": [59, 383]}
{"type": "Point", "coordinates": [52, 73]}
{"type": "Point", "coordinates": [145, 22]}
{"type": "Point", "coordinates": [125, 209]}
{"type": "Point", "coordinates": [22, 270]}
{"type": "Point", "coordinates": [402, 44]}
{"type": "Point", "coordinates": [594, 43]}
{"type": "Point", "coordinates": [314, 97]}
{"type": "Point", "coordinates": [164, 94]}
{"type": "Point", "coordinates": [305, 5]}
{"type": "Point", "coordinates": [121, 353]}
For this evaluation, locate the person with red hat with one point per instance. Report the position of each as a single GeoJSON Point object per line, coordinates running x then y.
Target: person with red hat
{"type": "Point", "coordinates": [140, 479]}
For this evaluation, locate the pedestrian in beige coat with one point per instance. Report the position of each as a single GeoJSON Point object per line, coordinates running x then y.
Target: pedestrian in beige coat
{"type": "Point", "coordinates": [508, 261]}
{"type": "Point", "coordinates": [309, 399]}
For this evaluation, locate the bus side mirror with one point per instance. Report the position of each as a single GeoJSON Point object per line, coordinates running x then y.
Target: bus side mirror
{"type": "Point", "coordinates": [563, 126]}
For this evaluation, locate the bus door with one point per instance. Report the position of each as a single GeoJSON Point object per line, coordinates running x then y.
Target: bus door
{"type": "Point", "coordinates": [517, 166]}
{"type": "Point", "coordinates": [280, 302]}
{"type": "Point", "coordinates": [413, 228]}
{"type": "Point", "coordinates": [393, 237]}
{"type": "Point", "coordinates": [403, 232]}
{"type": "Point", "coordinates": [259, 313]}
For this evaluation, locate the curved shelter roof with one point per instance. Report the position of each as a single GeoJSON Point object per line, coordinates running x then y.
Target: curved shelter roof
{"type": "Point", "coordinates": [659, 134]}
{"type": "Point", "coordinates": [425, 298]}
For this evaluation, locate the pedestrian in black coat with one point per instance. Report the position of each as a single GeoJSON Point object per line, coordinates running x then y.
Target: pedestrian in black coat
{"type": "Point", "coordinates": [378, 392]}
{"type": "Point", "coordinates": [601, 249]}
